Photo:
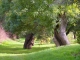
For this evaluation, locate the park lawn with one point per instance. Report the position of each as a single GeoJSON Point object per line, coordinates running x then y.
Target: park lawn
{"type": "Point", "coordinates": [12, 50]}
{"type": "Point", "coordinates": [15, 47]}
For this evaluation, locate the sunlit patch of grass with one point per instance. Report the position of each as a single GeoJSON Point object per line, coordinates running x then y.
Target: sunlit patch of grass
{"type": "Point", "coordinates": [71, 39]}
{"type": "Point", "coordinates": [21, 40]}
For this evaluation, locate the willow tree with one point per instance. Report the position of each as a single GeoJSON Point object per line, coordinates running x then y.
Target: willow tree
{"type": "Point", "coordinates": [41, 17]}
{"type": "Point", "coordinates": [30, 16]}
{"type": "Point", "coordinates": [67, 12]}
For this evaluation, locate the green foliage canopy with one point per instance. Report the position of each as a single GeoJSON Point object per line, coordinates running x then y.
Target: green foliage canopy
{"type": "Point", "coordinates": [38, 16]}
{"type": "Point", "coordinates": [31, 16]}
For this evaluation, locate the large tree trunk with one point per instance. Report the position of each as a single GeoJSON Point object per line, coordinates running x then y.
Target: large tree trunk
{"type": "Point", "coordinates": [60, 37]}
{"type": "Point", "coordinates": [29, 41]}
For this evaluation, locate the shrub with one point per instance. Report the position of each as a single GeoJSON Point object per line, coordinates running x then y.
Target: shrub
{"type": "Point", "coordinates": [78, 37]}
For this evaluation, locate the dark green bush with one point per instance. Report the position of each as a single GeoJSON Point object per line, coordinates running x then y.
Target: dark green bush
{"type": "Point", "coordinates": [78, 37]}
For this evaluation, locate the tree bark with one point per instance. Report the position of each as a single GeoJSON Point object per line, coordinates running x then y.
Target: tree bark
{"type": "Point", "coordinates": [74, 34]}
{"type": "Point", "coordinates": [29, 41]}
{"type": "Point", "coordinates": [60, 37]}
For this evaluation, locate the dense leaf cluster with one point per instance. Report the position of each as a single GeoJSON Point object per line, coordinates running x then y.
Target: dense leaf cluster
{"type": "Point", "coordinates": [37, 16]}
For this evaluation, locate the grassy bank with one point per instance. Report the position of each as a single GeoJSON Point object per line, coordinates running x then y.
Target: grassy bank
{"type": "Point", "coordinates": [12, 50]}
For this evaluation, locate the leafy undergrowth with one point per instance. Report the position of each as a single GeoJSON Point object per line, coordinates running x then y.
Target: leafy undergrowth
{"type": "Point", "coordinates": [14, 51]}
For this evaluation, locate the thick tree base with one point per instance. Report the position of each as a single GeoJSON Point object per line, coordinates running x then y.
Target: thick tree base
{"type": "Point", "coordinates": [29, 41]}
{"type": "Point", "coordinates": [60, 37]}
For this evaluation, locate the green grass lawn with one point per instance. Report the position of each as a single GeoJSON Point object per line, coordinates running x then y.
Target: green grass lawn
{"type": "Point", "coordinates": [13, 50]}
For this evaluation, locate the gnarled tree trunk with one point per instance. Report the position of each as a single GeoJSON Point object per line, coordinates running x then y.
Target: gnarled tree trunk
{"type": "Point", "coordinates": [29, 41]}
{"type": "Point", "coordinates": [60, 37]}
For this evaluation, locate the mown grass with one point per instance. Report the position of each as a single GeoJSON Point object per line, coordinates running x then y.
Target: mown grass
{"type": "Point", "coordinates": [14, 47]}
{"type": "Point", "coordinates": [61, 53]}
{"type": "Point", "coordinates": [13, 50]}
